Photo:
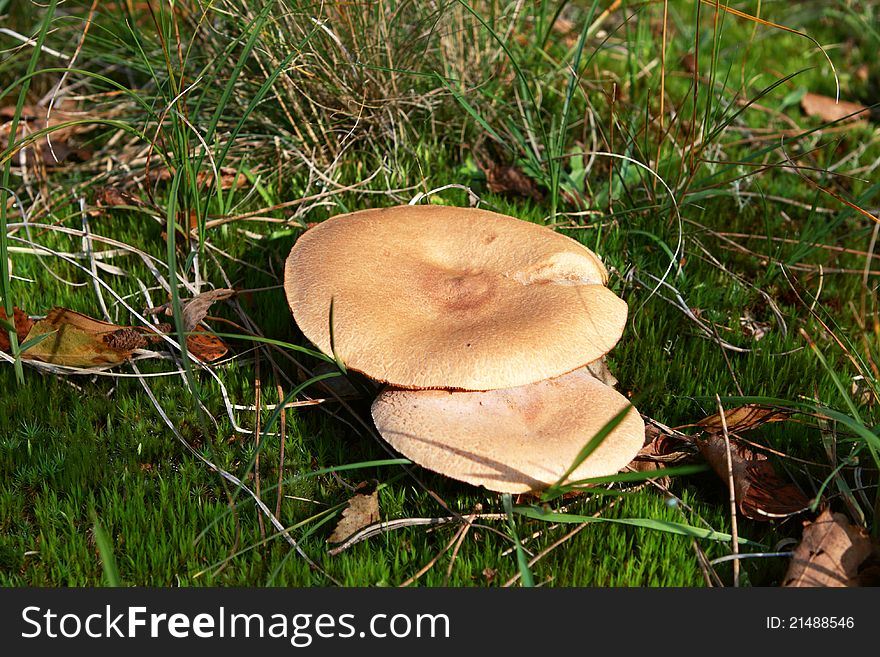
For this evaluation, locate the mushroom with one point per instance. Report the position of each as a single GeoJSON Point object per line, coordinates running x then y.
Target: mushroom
{"type": "Point", "coordinates": [443, 297]}
{"type": "Point", "coordinates": [516, 439]}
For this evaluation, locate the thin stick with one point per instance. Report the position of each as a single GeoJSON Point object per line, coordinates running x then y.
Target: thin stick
{"type": "Point", "coordinates": [730, 483]}
{"type": "Point", "coordinates": [257, 441]}
{"type": "Point", "coordinates": [283, 438]}
{"type": "Point", "coordinates": [460, 539]}
{"type": "Point", "coordinates": [391, 525]}
{"type": "Point", "coordinates": [386, 526]}
{"type": "Point", "coordinates": [660, 116]}
{"type": "Point", "coordinates": [455, 539]}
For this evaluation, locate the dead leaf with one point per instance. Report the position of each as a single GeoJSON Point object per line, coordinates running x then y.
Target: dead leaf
{"type": "Point", "coordinates": [761, 494]}
{"type": "Point", "coordinates": [205, 346]}
{"type": "Point", "coordinates": [362, 510]}
{"type": "Point", "coordinates": [862, 391]}
{"type": "Point", "coordinates": [195, 309]}
{"type": "Point", "coordinates": [23, 325]}
{"type": "Point", "coordinates": [689, 62]}
{"type": "Point", "coordinates": [76, 340]}
{"type": "Point", "coordinates": [505, 179]}
{"type": "Point", "coordinates": [55, 149]}
{"type": "Point", "coordinates": [229, 179]}
{"type": "Point", "coordinates": [826, 109]}
{"type": "Point", "coordinates": [752, 328]}
{"type": "Point", "coordinates": [599, 369]}
{"type": "Point", "coordinates": [829, 554]}
{"type": "Point", "coordinates": [114, 197]}
{"type": "Point", "coordinates": [660, 449]}
{"type": "Point", "coordinates": [742, 418]}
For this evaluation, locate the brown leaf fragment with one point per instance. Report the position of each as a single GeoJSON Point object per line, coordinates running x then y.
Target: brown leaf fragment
{"type": "Point", "coordinates": [205, 346]}
{"type": "Point", "coordinates": [125, 339]}
{"type": "Point", "coordinates": [826, 109]}
{"type": "Point", "coordinates": [506, 179]}
{"type": "Point", "coordinates": [742, 418]}
{"type": "Point", "coordinates": [599, 369]}
{"type": "Point", "coordinates": [752, 328]}
{"type": "Point", "coordinates": [869, 571]}
{"type": "Point", "coordinates": [829, 554]}
{"type": "Point", "coordinates": [663, 447]}
{"type": "Point", "coordinates": [23, 325]}
{"type": "Point", "coordinates": [114, 197]}
{"type": "Point", "coordinates": [76, 340]}
{"type": "Point", "coordinates": [362, 510]}
{"type": "Point", "coordinates": [229, 179]}
{"type": "Point", "coordinates": [195, 309]}
{"type": "Point", "coordinates": [761, 494]}
{"type": "Point", "coordinates": [660, 449]}
{"type": "Point", "coordinates": [52, 149]}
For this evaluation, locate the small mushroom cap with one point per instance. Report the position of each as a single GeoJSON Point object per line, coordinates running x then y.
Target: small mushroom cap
{"type": "Point", "coordinates": [513, 440]}
{"type": "Point", "coordinates": [442, 297]}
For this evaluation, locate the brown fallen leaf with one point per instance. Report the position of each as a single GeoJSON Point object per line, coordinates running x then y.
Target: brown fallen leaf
{"type": "Point", "coordinates": [663, 447]}
{"type": "Point", "coordinates": [114, 197]}
{"type": "Point", "coordinates": [205, 346]}
{"type": "Point", "coordinates": [742, 418]}
{"type": "Point", "coordinates": [23, 325]}
{"type": "Point", "coordinates": [826, 109]}
{"type": "Point", "coordinates": [660, 449]}
{"type": "Point", "coordinates": [199, 343]}
{"type": "Point", "coordinates": [229, 179]}
{"type": "Point", "coordinates": [76, 340]}
{"type": "Point", "coordinates": [55, 149]}
{"type": "Point", "coordinates": [195, 309]}
{"type": "Point", "coordinates": [760, 493]}
{"type": "Point", "coordinates": [362, 510]}
{"type": "Point", "coordinates": [505, 179]}
{"type": "Point", "coordinates": [829, 554]}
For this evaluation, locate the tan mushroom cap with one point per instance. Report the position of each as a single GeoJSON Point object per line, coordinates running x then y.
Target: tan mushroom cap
{"type": "Point", "coordinates": [443, 297]}
{"type": "Point", "coordinates": [513, 440]}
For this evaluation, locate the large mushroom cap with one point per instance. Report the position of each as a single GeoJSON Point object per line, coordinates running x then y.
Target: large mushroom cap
{"type": "Point", "coordinates": [441, 297]}
{"type": "Point", "coordinates": [513, 440]}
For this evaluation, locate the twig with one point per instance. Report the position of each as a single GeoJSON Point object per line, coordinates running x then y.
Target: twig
{"type": "Point", "coordinates": [30, 42]}
{"type": "Point", "coordinates": [730, 483]}
{"type": "Point", "coordinates": [386, 526]}
{"type": "Point", "coordinates": [455, 541]}
{"type": "Point", "coordinates": [391, 525]}
{"type": "Point", "coordinates": [257, 440]}
{"type": "Point", "coordinates": [282, 440]}
{"type": "Point", "coordinates": [460, 539]}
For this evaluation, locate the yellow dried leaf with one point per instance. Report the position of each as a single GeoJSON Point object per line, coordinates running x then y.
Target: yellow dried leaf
{"type": "Point", "coordinates": [76, 340]}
